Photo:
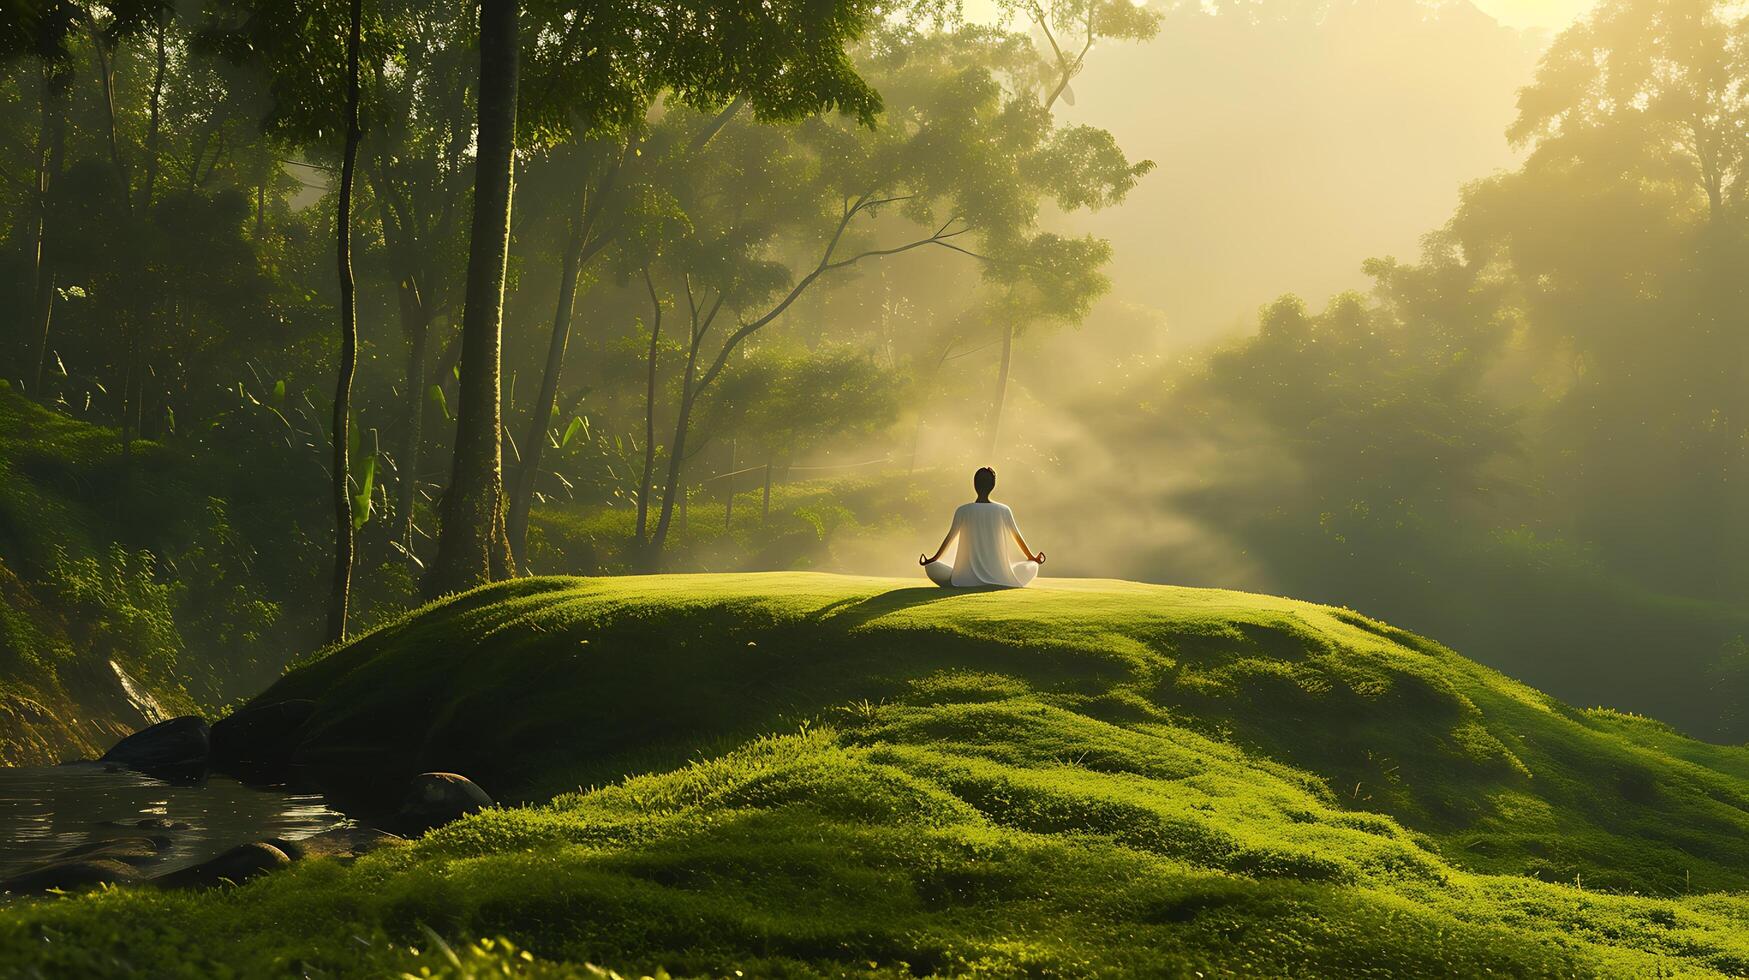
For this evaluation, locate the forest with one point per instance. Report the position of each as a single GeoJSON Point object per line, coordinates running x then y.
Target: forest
{"type": "Point", "coordinates": [405, 385]}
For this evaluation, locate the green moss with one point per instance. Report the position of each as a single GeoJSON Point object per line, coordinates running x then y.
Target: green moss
{"type": "Point", "coordinates": [805, 774]}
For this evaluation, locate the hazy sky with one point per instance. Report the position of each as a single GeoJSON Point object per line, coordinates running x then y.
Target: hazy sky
{"type": "Point", "coordinates": [1291, 150]}
{"type": "Point", "coordinates": [1534, 13]}
{"type": "Point", "coordinates": [1553, 14]}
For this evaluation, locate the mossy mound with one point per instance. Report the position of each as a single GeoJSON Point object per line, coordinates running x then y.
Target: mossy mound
{"type": "Point", "coordinates": [805, 774]}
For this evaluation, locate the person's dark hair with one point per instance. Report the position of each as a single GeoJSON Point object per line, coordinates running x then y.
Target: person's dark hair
{"type": "Point", "coordinates": [984, 481]}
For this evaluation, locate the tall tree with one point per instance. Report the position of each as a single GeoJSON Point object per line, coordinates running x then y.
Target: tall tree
{"type": "Point", "coordinates": [956, 154]}
{"type": "Point", "coordinates": [341, 588]}
{"type": "Point", "coordinates": [597, 73]}
{"type": "Point", "coordinates": [705, 362]}
{"type": "Point", "coordinates": [44, 34]}
{"type": "Point", "coordinates": [584, 240]}
{"type": "Point", "coordinates": [605, 214]}
{"type": "Point", "coordinates": [1638, 118]}
{"type": "Point", "coordinates": [420, 169]}
{"type": "Point", "coordinates": [51, 153]}
{"type": "Point", "coordinates": [108, 26]}
{"type": "Point", "coordinates": [1070, 29]}
{"type": "Point", "coordinates": [471, 543]}
{"type": "Point", "coordinates": [1045, 278]}
{"type": "Point", "coordinates": [1650, 88]}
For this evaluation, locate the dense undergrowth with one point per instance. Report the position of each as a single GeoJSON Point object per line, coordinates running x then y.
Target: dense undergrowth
{"type": "Point", "coordinates": [168, 578]}
{"type": "Point", "coordinates": [89, 644]}
{"type": "Point", "coordinates": [810, 774]}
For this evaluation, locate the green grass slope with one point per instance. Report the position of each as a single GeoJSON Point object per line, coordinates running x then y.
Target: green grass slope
{"type": "Point", "coordinates": [797, 774]}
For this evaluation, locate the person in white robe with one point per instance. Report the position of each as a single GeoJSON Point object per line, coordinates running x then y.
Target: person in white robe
{"type": "Point", "coordinates": [983, 530]}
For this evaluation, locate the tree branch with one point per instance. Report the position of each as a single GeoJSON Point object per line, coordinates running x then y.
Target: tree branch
{"type": "Point", "coordinates": [941, 237]}
{"type": "Point", "coordinates": [717, 123]}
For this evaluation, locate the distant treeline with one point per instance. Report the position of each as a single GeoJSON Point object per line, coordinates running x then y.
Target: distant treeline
{"type": "Point", "coordinates": [1532, 443]}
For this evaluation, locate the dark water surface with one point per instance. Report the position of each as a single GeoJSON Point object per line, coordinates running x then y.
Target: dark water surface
{"type": "Point", "coordinates": [45, 810]}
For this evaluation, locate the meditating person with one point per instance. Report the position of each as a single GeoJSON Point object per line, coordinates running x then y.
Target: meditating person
{"type": "Point", "coordinates": [983, 528]}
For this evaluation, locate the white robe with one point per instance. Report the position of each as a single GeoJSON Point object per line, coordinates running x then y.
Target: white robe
{"type": "Point", "coordinates": [983, 532]}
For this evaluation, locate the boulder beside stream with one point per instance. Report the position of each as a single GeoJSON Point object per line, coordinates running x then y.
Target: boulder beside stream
{"type": "Point", "coordinates": [70, 876]}
{"type": "Point", "coordinates": [174, 750]}
{"type": "Point", "coordinates": [436, 798]}
{"type": "Point", "coordinates": [235, 866]}
{"type": "Point", "coordinates": [111, 861]}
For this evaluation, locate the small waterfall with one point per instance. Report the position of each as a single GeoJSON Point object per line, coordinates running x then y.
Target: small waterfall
{"type": "Point", "coordinates": [139, 697]}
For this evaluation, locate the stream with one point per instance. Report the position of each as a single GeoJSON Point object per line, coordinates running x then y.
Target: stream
{"type": "Point", "coordinates": [46, 810]}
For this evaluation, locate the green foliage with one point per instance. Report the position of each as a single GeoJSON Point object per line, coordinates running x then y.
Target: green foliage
{"type": "Point", "coordinates": [365, 479]}
{"type": "Point", "coordinates": [783, 404]}
{"type": "Point", "coordinates": [438, 398]}
{"type": "Point", "coordinates": [148, 567]}
{"type": "Point", "coordinates": [1539, 413]}
{"type": "Point", "coordinates": [807, 775]}
{"type": "Point", "coordinates": [813, 524]}
{"type": "Point", "coordinates": [577, 425]}
{"type": "Point", "coordinates": [124, 608]}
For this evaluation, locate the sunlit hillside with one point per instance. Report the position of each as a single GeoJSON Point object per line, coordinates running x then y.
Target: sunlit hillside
{"type": "Point", "coordinates": [808, 775]}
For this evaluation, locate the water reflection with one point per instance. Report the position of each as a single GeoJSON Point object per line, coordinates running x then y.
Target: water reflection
{"type": "Point", "coordinates": [46, 810]}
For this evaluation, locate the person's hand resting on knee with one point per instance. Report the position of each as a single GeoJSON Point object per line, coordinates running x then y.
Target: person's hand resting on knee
{"type": "Point", "coordinates": [983, 529]}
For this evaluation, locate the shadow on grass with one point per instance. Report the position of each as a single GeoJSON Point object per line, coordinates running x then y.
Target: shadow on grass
{"type": "Point", "coordinates": [852, 613]}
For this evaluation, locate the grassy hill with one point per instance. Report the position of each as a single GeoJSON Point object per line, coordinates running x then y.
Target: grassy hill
{"type": "Point", "coordinates": [795, 774]}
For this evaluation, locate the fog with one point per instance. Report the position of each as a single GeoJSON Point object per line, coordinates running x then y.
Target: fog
{"type": "Point", "coordinates": [1293, 143]}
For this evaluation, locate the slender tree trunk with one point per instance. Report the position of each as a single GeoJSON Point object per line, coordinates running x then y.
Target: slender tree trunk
{"type": "Point", "coordinates": [138, 412]}
{"type": "Point", "coordinates": [676, 458]}
{"type": "Point", "coordinates": [140, 345]}
{"type": "Point", "coordinates": [995, 426]}
{"type": "Point", "coordinates": [582, 247]}
{"type": "Point", "coordinates": [416, 317]}
{"type": "Point", "coordinates": [540, 415]}
{"type": "Point", "coordinates": [130, 340]}
{"type": "Point", "coordinates": [416, 324]}
{"type": "Point", "coordinates": [51, 151]}
{"type": "Point", "coordinates": [106, 76]}
{"type": "Point", "coordinates": [154, 115]}
{"type": "Point", "coordinates": [473, 503]}
{"type": "Point", "coordinates": [341, 593]}
{"type": "Point", "coordinates": [644, 484]}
